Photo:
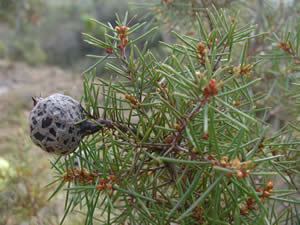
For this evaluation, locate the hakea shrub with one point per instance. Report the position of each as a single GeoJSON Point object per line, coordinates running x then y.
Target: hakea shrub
{"type": "Point", "coordinates": [194, 151]}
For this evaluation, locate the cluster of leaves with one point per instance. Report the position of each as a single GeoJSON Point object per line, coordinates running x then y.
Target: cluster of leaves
{"type": "Point", "coordinates": [194, 151]}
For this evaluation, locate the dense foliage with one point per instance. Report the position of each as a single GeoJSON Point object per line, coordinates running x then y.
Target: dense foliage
{"type": "Point", "coordinates": [190, 140]}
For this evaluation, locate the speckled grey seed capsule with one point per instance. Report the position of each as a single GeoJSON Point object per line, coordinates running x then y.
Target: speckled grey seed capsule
{"type": "Point", "coordinates": [57, 124]}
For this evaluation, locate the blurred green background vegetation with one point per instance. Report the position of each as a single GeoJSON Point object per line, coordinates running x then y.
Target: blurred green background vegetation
{"type": "Point", "coordinates": [42, 51]}
{"type": "Point", "coordinates": [39, 31]}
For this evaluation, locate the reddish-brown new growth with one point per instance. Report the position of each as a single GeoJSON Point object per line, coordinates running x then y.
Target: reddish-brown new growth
{"type": "Point", "coordinates": [286, 47]}
{"type": "Point", "coordinates": [251, 203]}
{"type": "Point", "coordinates": [123, 36]}
{"type": "Point", "coordinates": [266, 192]}
{"type": "Point", "coordinates": [202, 51]}
{"type": "Point", "coordinates": [205, 136]}
{"type": "Point", "coordinates": [82, 176]}
{"type": "Point", "coordinates": [109, 50]}
{"type": "Point", "coordinates": [106, 183]}
{"type": "Point", "coordinates": [133, 101]}
{"type": "Point", "coordinates": [211, 89]}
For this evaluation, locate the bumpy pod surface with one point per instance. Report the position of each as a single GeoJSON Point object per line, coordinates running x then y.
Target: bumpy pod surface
{"type": "Point", "coordinates": [54, 124]}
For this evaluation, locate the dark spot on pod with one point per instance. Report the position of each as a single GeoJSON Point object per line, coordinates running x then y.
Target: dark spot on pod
{"type": "Point", "coordinates": [31, 128]}
{"type": "Point", "coordinates": [49, 149]}
{"type": "Point", "coordinates": [49, 139]}
{"type": "Point", "coordinates": [58, 125]}
{"type": "Point", "coordinates": [71, 130]}
{"type": "Point", "coordinates": [40, 113]}
{"type": "Point", "coordinates": [66, 141]}
{"type": "Point", "coordinates": [81, 109]}
{"type": "Point", "coordinates": [46, 122]}
{"type": "Point", "coordinates": [39, 136]}
{"type": "Point", "coordinates": [73, 139]}
{"type": "Point", "coordinates": [53, 132]}
{"type": "Point", "coordinates": [71, 115]}
{"type": "Point", "coordinates": [73, 107]}
{"type": "Point", "coordinates": [34, 121]}
{"type": "Point", "coordinates": [45, 106]}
